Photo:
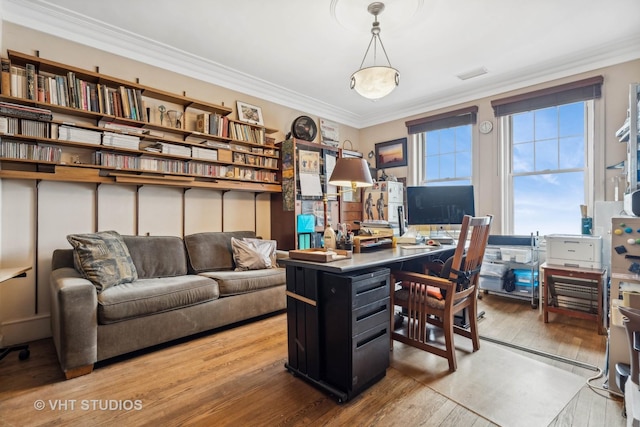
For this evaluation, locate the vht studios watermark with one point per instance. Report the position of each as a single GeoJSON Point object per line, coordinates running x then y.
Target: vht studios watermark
{"type": "Point", "coordinates": [88, 405]}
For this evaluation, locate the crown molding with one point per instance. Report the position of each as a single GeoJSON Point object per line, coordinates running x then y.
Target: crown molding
{"type": "Point", "coordinates": [57, 21]}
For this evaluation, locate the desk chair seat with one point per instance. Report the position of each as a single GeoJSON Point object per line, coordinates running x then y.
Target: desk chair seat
{"type": "Point", "coordinates": [431, 300]}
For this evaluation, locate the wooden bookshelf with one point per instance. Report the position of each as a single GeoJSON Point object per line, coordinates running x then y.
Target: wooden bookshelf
{"type": "Point", "coordinates": [100, 104]}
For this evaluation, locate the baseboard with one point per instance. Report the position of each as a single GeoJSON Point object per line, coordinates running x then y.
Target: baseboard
{"type": "Point", "coordinates": [24, 330]}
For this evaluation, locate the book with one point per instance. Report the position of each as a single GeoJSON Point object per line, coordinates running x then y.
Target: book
{"type": "Point", "coordinates": [5, 69]}
{"type": "Point", "coordinates": [41, 84]}
{"type": "Point", "coordinates": [202, 123]}
{"type": "Point", "coordinates": [30, 71]}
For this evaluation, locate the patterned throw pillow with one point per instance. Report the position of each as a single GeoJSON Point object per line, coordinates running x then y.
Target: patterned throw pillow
{"type": "Point", "coordinates": [267, 247]}
{"type": "Point", "coordinates": [103, 258]}
{"type": "Point", "coordinates": [248, 256]}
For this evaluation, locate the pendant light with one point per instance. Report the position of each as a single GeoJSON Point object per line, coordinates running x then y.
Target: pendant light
{"type": "Point", "coordinates": [376, 81]}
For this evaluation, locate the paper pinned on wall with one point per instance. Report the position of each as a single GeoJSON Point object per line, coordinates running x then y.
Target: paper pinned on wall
{"type": "Point", "coordinates": [310, 184]}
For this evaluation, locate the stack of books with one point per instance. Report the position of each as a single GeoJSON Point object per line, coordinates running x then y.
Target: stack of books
{"type": "Point", "coordinates": [204, 153]}
{"type": "Point", "coordinates": [110, 139]}
{"type": "Point", "coordinates": [178, 150]}
{"type": "Point", "coordinates": [70, 133]}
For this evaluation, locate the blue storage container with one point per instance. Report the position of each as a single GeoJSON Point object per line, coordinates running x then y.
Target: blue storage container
{"type": "Point", "coordinates": [523, 277]}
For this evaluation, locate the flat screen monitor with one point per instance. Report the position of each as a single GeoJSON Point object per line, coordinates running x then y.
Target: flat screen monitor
{"type": "Point", "coordinates": [437, 205]}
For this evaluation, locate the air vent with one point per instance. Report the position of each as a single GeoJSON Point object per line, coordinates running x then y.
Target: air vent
{"type": "Point", "coordinates": [473, 73]}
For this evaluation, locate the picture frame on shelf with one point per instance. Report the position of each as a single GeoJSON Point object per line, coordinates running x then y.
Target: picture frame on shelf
{"type": "Point", "coordinates": [250, 113]}
{"type": "Point", "coordinates": [391, 154]}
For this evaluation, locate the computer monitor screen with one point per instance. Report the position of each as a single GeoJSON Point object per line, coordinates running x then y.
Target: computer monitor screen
{"type": "Point", "coordinates": [447, 204]}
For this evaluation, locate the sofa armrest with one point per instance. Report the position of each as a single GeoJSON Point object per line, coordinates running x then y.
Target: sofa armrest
{"type": "Point", "coordinates": [281, 254]}
{"type": "Point", "coordinates": [74, 319]}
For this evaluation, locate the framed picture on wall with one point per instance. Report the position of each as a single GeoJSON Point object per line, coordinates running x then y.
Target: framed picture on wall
{"type": "Point", "coordinates": [391, 154]}
{"type": "Point", "coordinates": [250, 113]}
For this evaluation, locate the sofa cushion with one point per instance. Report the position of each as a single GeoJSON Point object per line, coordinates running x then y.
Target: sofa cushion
{"type": "Point", "coordinates": [157, 256]}
{"type": "Point", "coordinates": [103, 258]}
{"type": "Point", "coordinates": [240, 282]}
{"type": "Point", "coordinates": [150, 296]}
{"type": "Point", "coordinates": [250, 256]}
{"type": "Point", "coordinates": [211, 251]}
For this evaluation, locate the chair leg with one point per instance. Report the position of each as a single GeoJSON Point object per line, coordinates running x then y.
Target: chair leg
{"type": "Point", "coordinates": [447, 329]}
{"type": "Point", "coordinates": [473, 326]}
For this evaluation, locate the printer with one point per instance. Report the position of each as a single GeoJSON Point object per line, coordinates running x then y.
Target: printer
{"type": "Point", "coordinates": [574, 250]}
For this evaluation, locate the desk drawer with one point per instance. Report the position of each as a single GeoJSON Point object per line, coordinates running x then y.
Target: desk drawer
{"type": "Point", "coordinates": [370, 357]}
{"type": "Point", "coordinates": [361, 288]}
{"type": "Point", "coordinates": [371, 315]}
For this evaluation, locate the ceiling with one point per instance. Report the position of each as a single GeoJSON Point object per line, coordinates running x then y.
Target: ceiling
{"type": "Point", "coordinates": [301, 53]}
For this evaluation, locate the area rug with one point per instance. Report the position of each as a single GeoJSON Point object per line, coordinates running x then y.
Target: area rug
{"type": "Point", "coordinates": [496, 383]}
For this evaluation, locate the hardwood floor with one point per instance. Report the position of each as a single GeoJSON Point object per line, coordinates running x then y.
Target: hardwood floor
{"type": "Point", "coordinates": [236, 377]}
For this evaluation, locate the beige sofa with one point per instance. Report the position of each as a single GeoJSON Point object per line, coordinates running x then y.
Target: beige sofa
{"type": "Point", "coordinates": [183, 287]}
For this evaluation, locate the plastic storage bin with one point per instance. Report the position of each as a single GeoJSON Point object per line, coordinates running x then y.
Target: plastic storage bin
{"type": "Point", "coordinates": [516, 254]}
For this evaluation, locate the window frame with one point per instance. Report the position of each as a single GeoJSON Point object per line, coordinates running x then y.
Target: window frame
{"type": "Point", "coordinates": [506, 162]}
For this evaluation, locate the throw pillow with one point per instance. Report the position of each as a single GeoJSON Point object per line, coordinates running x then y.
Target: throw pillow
{"type": "Point", "coordinates": [103, 258]}
{"type": "Point", "coordinates": [265, 246]}
{"type": "Point", "coordinates": [248, 257]}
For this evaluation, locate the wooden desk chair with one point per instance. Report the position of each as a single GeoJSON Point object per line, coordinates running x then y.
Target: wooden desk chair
{"type": "Point", "coordinates": [436, 300]}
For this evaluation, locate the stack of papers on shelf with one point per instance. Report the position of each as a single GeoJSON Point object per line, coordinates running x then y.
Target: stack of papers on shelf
{"type": "Point", "coordinates": [70, 133]}
{"type": "Point", "coordinates": [110, 139]}
{"type": "Point", "coordinates": [125, 128]}
{"type": "Point", "coordinates": [203, 153]}
{"type": "Point", "coordinates": [178, 150]}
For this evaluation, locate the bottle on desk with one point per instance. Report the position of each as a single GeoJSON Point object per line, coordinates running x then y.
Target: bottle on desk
{"type": "Point", "coordinates": [329, 238]}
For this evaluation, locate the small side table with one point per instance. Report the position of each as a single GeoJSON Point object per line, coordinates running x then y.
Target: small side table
{"type": "Point", "coordinates": [578, 285]}
{"type": "Point", "coordinates": [7, 274]}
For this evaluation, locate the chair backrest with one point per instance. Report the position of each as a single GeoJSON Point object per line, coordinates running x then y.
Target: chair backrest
{"type": "Point", "coordinates": [472, 242]}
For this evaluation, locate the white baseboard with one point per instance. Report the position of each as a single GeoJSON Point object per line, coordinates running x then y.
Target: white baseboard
{"type": "Point", "coordinates": [25, 330]}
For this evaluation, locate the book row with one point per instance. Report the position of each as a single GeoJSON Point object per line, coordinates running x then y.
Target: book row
{"type": "Point", "coordinates": [212, 124]}
{"type": "Point", "coordinates": [15, 126]}
{"type": "Point", "coordinates": [70, 91]}
{"type": "Point", "coordinates": [124, 162]}
{"type": "Point", "coordinates": [19, 150]}
{"type": "Point", "coordinates": [242, 132]}
{"type": "Point", "coordinates": [32, 128]}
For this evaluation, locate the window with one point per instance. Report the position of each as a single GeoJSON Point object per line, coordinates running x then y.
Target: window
{"type": "Point", "coordinates": [441, 148]}
{"type": "Point", "coordinates": [448, 156]}
{"type": "Point", "coordinates": [548, 154]}
{"type": "Point", "coordinates": [549, 174]}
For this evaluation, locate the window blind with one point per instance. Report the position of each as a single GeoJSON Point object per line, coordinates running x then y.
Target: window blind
{"type": "Point", "coordinates": [581, 90]}
{"type": "Point", "coordinates": [463, 116]}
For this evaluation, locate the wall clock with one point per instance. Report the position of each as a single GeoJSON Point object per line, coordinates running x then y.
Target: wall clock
{"type": "Point", "coordinates": [304, 128]}
{"type": "Point", "coordinates": [485, 126]}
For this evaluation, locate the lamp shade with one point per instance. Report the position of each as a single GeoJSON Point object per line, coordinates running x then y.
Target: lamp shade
{"type": "Point", "coordinates": [375, 82]}
{"type": "Point", "coordinates": [351, 172]}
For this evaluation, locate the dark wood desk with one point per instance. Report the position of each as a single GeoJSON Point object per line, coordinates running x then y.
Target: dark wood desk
{"type": "Point", "coordinates": [338, 317]}
{"type": "Point", "coordinates": [580, 286]}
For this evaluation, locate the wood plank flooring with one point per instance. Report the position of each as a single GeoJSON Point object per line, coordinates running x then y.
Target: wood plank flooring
{"type": "Point", "coordinates": [236, 377]}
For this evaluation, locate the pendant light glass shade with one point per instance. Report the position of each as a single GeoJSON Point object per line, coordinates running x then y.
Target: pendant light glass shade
{"type": "Point", "coordinates": [375, 82]}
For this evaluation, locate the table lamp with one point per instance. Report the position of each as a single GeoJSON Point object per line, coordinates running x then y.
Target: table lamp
{"type": "Point", "coordinates": [350, 172]}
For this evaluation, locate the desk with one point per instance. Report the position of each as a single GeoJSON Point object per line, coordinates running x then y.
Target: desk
{"type": "Point", "coordinates": [580, 287]}
{"type": "Point", "coordinates": [338, 318]}
{"type": "Point", "coordinates": [7, 274]}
